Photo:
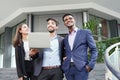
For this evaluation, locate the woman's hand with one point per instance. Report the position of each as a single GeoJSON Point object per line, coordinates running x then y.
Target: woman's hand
{"type": "Point", "coordinates": [21, 78]}
{"type": "Point", "coordinates": [33, 52]}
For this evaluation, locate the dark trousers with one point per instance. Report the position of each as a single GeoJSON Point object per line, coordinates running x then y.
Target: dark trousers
{"type": "Point", "coordinates": [75, 74]}
{"type": "Point", "coordinates": [51, 74]}
{"type": "Point", "coordinates": [29, 71]}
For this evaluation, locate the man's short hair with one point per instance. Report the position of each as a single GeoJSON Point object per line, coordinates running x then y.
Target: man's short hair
{"type": "Point", "coordinates": [67, 14]}
{"type": "Point", "coordinates": [53, 20]}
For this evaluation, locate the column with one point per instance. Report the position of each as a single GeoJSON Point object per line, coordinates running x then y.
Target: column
{"type": "Point", "coordinates": [8, 48]}
{"type": "Point", "coordinates": [29, 21]}
{"type": "Point", "coordinates": [85, 17]}
{"type": "Point", "coordinates": [99, 30]}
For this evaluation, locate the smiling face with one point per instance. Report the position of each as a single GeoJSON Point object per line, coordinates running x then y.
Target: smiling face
{"type": "Point", "coordinates": [51, 26]}
{"type": "Point", "coordinates": [24, 29]}
{"type": "Point", "coordinates": [69, 21]}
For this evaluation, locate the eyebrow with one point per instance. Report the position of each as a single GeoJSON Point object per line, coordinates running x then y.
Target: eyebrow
{"type": "Point", "coordinates": [68, 18]}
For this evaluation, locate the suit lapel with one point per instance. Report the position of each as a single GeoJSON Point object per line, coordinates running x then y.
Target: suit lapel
{"type": "Point", "coordinates": [59, 41]}
{"type": "Point", "coordinates": [76, 39]}
{"type": "Point", "coordinates": [67, 43]}
{"type": "Point", "coordinates": [22, 48]}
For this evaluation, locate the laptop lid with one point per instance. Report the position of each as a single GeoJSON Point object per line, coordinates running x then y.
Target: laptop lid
{"type": "Point", "coordinates": [39, 40]}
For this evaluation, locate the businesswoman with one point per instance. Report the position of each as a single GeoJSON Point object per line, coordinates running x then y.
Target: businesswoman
{"type": "Point", "coordinates": [23, 54]}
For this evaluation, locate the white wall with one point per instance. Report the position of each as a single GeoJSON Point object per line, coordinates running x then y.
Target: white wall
{"type": "Point", "coordinates": [40, 23]}
{"type": "Point", "coordinates": [7, 7]}
{"type": "Point", "coordinates": [110, 4]}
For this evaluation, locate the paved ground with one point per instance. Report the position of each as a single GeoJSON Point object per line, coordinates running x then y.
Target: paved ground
{"type": "Point", "coordinates": [97, 74]}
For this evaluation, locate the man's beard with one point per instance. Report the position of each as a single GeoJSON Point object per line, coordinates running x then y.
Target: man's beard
{"type": "Point", "coordinates": [51, 31]}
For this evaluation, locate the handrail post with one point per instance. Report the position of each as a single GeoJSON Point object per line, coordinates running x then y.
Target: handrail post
{"type": "Point", "coordinates": [113, 65]}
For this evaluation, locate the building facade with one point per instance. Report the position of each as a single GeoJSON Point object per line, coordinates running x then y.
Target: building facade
{"type": "Point", "coordinates": [36, 12]}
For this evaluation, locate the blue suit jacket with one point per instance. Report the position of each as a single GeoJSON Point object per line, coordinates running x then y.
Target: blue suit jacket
{"type": "Point", "coordinates": [79, 53]}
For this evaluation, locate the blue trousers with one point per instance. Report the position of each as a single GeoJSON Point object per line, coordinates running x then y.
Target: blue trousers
{"type": "Point", "coordinates": [75, 74]}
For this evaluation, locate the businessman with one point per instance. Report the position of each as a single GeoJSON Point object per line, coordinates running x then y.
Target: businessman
{"type": "Point", "coordinates": [48, 63]}
{"type": "Point", "coordinates": [76, 65]}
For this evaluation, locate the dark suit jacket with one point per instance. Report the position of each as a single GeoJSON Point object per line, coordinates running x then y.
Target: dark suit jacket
{"type": "Point", "coordinates": [20, 60]}
{"type": "Point", "coordinates": [38, 61]}
{"type": "Point", "coordinates": [79, 53]}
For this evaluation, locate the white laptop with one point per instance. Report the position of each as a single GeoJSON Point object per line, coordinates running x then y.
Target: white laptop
{"type": "Point", "coordinates": [39, 40]}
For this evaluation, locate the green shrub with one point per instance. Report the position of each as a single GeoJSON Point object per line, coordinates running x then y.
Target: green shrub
{"type": "Point", "coordinates": [103, 45]}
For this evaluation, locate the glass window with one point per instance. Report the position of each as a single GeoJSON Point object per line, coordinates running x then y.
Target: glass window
{"type": "Point", "coordinates": [0, 46]}
{"type": "Point", "coordinates": [1, 43]}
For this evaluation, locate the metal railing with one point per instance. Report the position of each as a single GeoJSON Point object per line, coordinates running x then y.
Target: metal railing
{"type": "Point", "coordinates": [112, 61]}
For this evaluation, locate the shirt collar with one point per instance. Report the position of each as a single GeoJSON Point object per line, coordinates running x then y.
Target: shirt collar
{"type": "Point", "coordinates": [54, 37]}
{"type": "Point", "coordinates": [75, 30]}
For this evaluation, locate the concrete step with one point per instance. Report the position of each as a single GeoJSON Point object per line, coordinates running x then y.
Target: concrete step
{"type": "Point", "coordinates": [8, 74]}
{"type": "Point", "coordinates": [98, 73]}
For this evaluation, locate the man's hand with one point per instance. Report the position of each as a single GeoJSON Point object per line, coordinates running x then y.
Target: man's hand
{"type": "Point", "coordinates": [88, 68]}
{"type": "Point", "coordinates": [33, 52]}
{"type": "Point", "coordinates": [64, 58]}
